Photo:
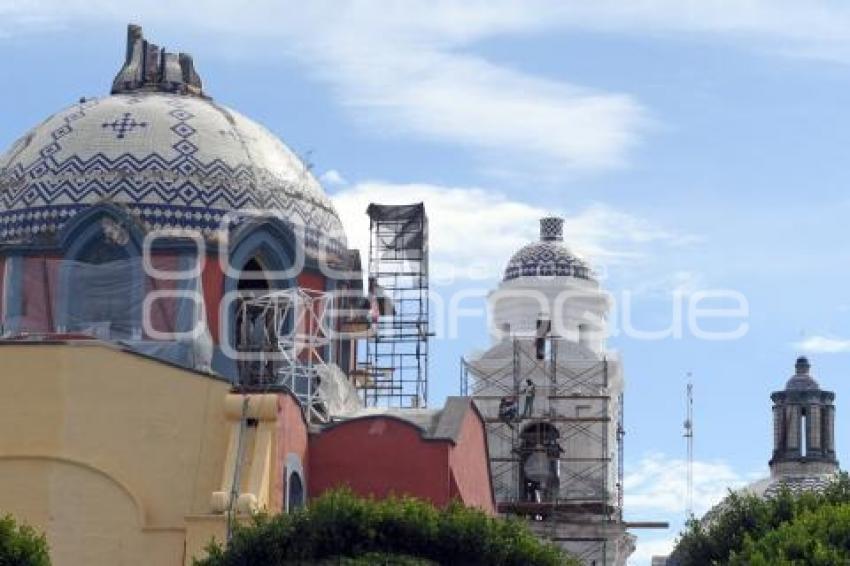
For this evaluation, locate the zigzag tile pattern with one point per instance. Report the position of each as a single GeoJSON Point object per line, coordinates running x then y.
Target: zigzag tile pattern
{"type": "Point", "coordinates": [173, 161]}
{"type": "Point", "coordinates": [546, 259]}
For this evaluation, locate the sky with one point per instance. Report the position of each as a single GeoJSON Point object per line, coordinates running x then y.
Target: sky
{"type": "Point", "coordinates": [693, 147]}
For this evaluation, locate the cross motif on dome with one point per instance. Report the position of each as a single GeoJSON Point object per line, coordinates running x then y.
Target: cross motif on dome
{"type": "Point", "coordinates": [126, 124]}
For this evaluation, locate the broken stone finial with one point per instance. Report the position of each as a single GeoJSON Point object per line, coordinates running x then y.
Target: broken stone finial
{"type": "Point", "coordinates": [148, 67]}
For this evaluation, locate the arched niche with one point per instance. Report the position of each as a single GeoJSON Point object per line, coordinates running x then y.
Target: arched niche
{"type": "Point", "coordinates": [295, 489]}
{"type": "Point", "coordinates": [101, 281]}
{"type": "Point", "coordinates": [262, 257]}
{"type": "Point", "coordinates": [295, 492]}
{"type": "Point", "coordinates": [540, 453]}
{"type": "Point", "coordinates": [87, 515]}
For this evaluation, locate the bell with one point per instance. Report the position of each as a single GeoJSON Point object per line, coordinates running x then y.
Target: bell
{"type": "Point", "coordinates": [537, 467]}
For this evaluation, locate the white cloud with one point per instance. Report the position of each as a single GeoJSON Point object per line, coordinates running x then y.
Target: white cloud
{"type": "Point", "coordinates": [656, 487]}
{"type": "Point", "coordinates": [658, 483]}
{"type": "Point", "coordinates": [647, 548]}
{"type": "Point", "coordinates": [333, 178]}
{"type": "Point", "coordinates": [411, 68]}
{"type": "Point", "coordinates": [405, 70]}
{"type": "Point", "coordinates": [823, 345]}
{"type": "Point", "coordinates": [505, 114]}
{"type": "Point", "coordinates": [473, 231]}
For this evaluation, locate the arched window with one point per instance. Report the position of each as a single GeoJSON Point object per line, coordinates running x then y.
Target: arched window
{"type": "Point", "coordinates": [260, 257]}
{"type": "Point", "coordinates": [104, 290]}
{"type": "Point", "coordinates": [253, 276]}
{"type": "Point", "coordinates": [540, 454]}
{"type": "Point", "coordinates": [295, 492]}
{"type": "Point", "coordinates": [252, 332]}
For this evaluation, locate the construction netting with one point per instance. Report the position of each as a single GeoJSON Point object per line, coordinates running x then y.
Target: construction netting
{"type": "Point", "coordinates": [401, 230]}
{"type": "Point", "coordinates": [120, 300]}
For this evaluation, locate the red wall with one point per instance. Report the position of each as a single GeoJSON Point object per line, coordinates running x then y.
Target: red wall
{"type": "Point", "coordinates": [292, 438]}
{"type": "Point", "coordinates": [39, 294]}
{"type": "Point", "coordinates": [212, 281]}
{"type": "Point", "coordinates": [315, 282]}
{"type": "Point", "coordinates": [470, 467]}
{"type": "Point", "coordinates": [309, 280]}
{"type": "Point", "coordinates": [379, 456]}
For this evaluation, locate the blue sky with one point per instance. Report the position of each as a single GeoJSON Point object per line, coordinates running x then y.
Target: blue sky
{"type": "Point", "coordinates": [690, 145]}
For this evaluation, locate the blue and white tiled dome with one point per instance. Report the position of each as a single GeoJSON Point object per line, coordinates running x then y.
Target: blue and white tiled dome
{"type": "Point", "coordinates": [548, 257]}
{"type": "Point", "coordinates": [165, 151]}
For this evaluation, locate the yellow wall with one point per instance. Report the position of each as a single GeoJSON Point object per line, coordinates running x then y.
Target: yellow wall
{"type": "Point", "coordinates": [109, 453]}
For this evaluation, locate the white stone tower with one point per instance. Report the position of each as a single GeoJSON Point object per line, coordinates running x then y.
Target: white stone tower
{"type": "Point", "coordinates": [552, 398]}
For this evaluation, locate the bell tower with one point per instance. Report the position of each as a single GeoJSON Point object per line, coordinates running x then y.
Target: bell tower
{"type": "Point", "coordinates": [803, 426]}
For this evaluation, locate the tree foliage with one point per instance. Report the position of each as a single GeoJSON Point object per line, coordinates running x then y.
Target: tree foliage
{"type": "Point", "coordinates": [737, 531]}
{"type": "Point", "coordinates": [20, 545]}
{"type": "Point", "coordinates": [816, 538]}
{"type": "Point", "coordinates": [340, 526]}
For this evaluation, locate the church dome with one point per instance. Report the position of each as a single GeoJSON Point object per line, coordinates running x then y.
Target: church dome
{"type": "Point", "coordinates": [161, 148]}
{"type": "Point", "coordinates": [802, 380]}
{"type": "Point", "coordinates": [548, 257]}
{"type": "Point", "coordinates": [796, 484]}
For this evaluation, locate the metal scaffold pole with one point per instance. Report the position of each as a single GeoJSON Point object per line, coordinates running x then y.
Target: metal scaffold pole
{"type": "Point", "coordinates": [397, 350]}
{"type": "Point", "coordinates": [549, 420]}
{"type": "Point", "coordinates": [689, 438]}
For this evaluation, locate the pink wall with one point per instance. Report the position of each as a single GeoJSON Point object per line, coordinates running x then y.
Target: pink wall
{"type": "Point", "coordinates": [470, 466]}
{"type": "Point", "coordinates": [292, 438]}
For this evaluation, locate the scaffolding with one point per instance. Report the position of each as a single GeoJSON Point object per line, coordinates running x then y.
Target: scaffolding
{"type": "Point", "coordinates": [396, 370]}
{"type": "Point", "coordinates": [552, 464]}
{"type": "Point", "coordinates": [284, 341]}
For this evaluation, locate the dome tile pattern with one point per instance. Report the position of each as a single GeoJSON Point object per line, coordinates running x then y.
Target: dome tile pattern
{"type": "Point", "coordinates": [174, 160]}
{"type": "Point", "coordinates": [797, 484]}
{"type": "Point", "coordinates": [547, 257]}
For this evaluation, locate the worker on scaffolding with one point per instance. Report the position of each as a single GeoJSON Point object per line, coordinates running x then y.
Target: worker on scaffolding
{"type": "Point", "coordinates": [508, 408]}
{"type": "Point", "coordinates": [528, 391]}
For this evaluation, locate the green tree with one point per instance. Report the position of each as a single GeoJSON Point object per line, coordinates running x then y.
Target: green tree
{"type": "Point", "coordinates": [341, 528]}
{"type": "Point", "coordinates": [816, 538]}
{"type": "Point", "coordinates": [20, 545]}
{"type": "Point", "coordinates": [741, 521]}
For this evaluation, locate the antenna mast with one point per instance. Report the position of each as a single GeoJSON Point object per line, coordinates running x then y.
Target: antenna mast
{"type": "Point", "coordinates": [689, 436]}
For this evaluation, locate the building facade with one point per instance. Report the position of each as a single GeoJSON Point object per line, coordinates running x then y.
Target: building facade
{"type": "Point", "coordinates": [156, 250]}
{"type": "Point", "coordinates": [551, 395]}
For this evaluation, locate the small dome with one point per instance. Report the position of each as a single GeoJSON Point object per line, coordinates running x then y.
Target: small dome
{"type": "Point", "coordinates": [769, 487]}
{"type": "Point", "coordinates": [802, 380]}
{"type": "Point", "coordinates": [166, 152]}
{"type": "Point", "coordinates": [548, 257]}
{"type": "Point", "coordinates": [796, 484]}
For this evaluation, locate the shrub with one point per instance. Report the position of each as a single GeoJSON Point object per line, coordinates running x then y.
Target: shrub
{"type": "Point", "coordinates": [340, 526]}
{"type": "Point", "coordinates": [20, 545]}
